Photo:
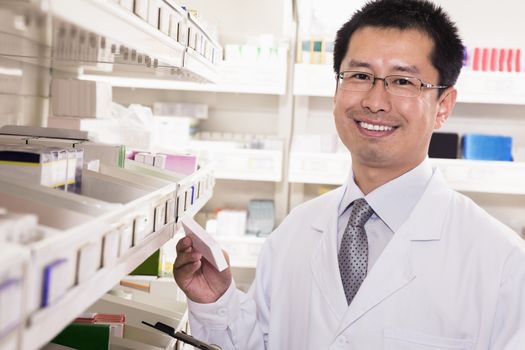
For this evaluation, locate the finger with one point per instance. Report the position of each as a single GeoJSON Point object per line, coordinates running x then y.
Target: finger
{"type": "Point", "coordinates": [183, 244]}
{"type": "Point", "coordinates": [186, 271]}
{"type": "Point", "coordinates": [186, 258]}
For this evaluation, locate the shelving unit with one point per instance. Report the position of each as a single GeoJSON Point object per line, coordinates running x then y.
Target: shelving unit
{"type": "Point", "coordinates": [90, 241]}
{"type": "Point", "coordinates": [463, 175]}
{"type": "Point", "coordinates": [319, 168]}
{"type": "Point", "coordinates": [484, 176]}
{"type": "Point", "coordinates": [111, 20]}
{"type": "Point", "coordinates": [138, 42]}
{"type": "Point", "coordinates": [156, 202]}
{"type": "Point", "coordinates": [45, 324]}
{"type": "Point", "coordinates": [241, 164]}
{"type": "Point", "coordinates": [233, 77]}
{"type": "Point", "coordinates": [243, 250]}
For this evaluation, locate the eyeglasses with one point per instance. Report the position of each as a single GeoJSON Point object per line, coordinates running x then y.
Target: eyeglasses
{"type": "Point", "coordinates": [397, 85]}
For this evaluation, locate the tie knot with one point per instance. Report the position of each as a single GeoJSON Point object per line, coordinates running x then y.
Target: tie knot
{"type": "Point", "coordinates": [360, 213]}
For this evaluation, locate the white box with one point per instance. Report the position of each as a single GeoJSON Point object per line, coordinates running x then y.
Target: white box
{"type": "Point", "coordinates": [182, 32]}
{"type": "Point", "coordinates": [110, 248]}
{"type": "Point", "coordinates": [54, 283]}
{"type": "Point", "coordinates": [99, 104]}
{"type": "Point", "coordinates": [164, 19]}
{"type": "Point", "coordinates": [126, 238]}
{"type": "Point", "coordinates": [159, 161]}
{"type": "Point", "coordinates": [10, 304]}
{"type": "Point", "coordinates": [108, 154]}
{"type": "Point", "coordinates": [192, 36]}
{"type": "Point", "coordinates": [81, 98]}
{"type": "Point", "coordinates": [204, 243]}
{"type": "Point", "coordinates": [89, 259]}
{"type": "Point", "coordinates": [175, 19]}
{"type": "Point", "coordinates": [139, 157]}
{"type": "Point", "coordinates": [149, 159]}
{"type": "Point", "coordinates": [231, 222]}
{"type": "Point", "coordinates": [153, 12]}
{"type": "Point", "coordinates": [140, 229]}
{"type": "Point", "coordinates": [160, 217]}
{"type": "Point", "coordinates": [170, 210]}
{"type": "Point", "coordinates": [141, 9]}
{"type": "Point", "coordinates": [181, 205]}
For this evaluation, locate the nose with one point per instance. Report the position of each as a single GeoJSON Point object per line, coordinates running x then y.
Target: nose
{"type": "Point", "coordinates": [377, 99]}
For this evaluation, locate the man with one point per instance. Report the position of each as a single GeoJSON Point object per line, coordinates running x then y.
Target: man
{"type": "Point", "coordinates": [394, 259]}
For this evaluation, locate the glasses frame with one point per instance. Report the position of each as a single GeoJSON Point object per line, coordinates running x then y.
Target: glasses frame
{"type": "Point", "coordinates": [423, 85]}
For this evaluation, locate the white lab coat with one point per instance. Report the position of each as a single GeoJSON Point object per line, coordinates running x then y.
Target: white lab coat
{"type": "Point", "coordinates": [452, 277]}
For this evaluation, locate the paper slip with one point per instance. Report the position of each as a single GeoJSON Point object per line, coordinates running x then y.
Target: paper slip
{"type": "Point", "coordinates": [204, 243]}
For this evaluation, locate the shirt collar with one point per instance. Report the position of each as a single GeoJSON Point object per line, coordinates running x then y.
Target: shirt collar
{"type": "Point", "coordinates": [392, 202]}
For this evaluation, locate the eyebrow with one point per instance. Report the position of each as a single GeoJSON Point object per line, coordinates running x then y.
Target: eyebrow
{"type": "Point", "coordinates": [398, 68]}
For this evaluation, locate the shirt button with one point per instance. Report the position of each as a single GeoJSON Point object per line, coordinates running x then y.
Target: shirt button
{"type": "Point", "coordinates": [341, 341]}
{"type": "Point", "coordinates": [222, 312]}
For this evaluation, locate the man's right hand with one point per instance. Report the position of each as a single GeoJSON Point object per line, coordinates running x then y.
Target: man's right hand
{"type": "Point", "coordinates": [197, 278]}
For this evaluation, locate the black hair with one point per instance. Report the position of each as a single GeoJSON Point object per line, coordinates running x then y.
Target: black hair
{"type": "Point", "coordinates": [422, 15]}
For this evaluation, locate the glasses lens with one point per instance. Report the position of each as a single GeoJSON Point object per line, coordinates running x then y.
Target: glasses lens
{"type": "Point", "coordinates": [403, 86]}
{"type": "Point", "coordinates": [355, 81]}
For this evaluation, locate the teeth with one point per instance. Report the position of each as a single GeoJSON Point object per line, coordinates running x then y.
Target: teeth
{"type": "Point", "coordinates": [375, 127]}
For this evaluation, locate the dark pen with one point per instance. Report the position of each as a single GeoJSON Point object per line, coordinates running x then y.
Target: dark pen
{"type": "Point", "coordinates": [182, 336]}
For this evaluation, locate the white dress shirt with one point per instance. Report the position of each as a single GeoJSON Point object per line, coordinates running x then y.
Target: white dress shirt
{"type": "Point", "coordinates": [389, 214]}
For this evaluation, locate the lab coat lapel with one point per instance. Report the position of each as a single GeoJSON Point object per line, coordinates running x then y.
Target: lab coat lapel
{"type": "Point", "coordinates": [324, 264]}
{"type": "Point", "coordinates": [394, 269]}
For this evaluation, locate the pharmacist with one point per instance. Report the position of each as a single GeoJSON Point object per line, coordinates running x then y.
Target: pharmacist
{"type": "Point", "coordinates": [394, 259]}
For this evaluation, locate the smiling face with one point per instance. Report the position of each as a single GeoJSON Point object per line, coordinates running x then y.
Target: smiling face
{"type": "Point", "coordinates": [385, 132]}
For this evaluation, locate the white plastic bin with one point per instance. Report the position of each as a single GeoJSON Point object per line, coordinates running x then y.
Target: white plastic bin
{"type": "Point", "coordinates": [14, 261]}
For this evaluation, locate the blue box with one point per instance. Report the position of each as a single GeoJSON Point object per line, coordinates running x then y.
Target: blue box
{"type": "Point", "coordinates": [487, 147]}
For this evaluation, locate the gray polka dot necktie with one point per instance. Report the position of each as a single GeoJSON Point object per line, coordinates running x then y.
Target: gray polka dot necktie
{"type": "Point", "coordinates": [353, 253]}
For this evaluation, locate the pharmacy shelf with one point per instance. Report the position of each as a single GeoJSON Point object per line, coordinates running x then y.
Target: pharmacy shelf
{"type": "Point", "coordinates": [462, 174]}
{"type": "Point", "coordinates": [154, 203]}
{"type": "Point", "coordinates": [109, 19]}
{"type": "Point", "coordinates": [264, 79]}
{"type": "Point", "coordinates": [241, 164]}
{"type": "Point", "coordinates": [484, 176]}
{"type": "Point", "coordinates": [473, 87]}
{"type": "Point", "coordinates": [129, 44]}
{"type": "Point", "coordinates": [319, 168]}
{"type": "Point", "coordinates": [243, 250]}
{"type": "Point", "coordinates": [196, 64]}
{"type": "Point", "coordinates": [491, 87]}
{"type": "Point", "coordinates": [193, 191]}
{"type": "Point", "coordinates": [46, 323]}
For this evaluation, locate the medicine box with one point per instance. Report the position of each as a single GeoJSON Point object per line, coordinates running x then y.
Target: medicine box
{"type": "Point", "coordinates": [34, 164]}
{"type": "Point", "coordinates": [444, 145]}
{"type": "Point", "coordinates": [487, 147]}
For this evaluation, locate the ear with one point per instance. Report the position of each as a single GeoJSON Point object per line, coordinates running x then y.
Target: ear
{"type": "Point", "coordinates": [336, 90]}
{"type": "Point", "coordinates": [446, 104]}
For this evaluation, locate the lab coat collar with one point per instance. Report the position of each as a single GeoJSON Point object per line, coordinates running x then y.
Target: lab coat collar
{"type": "Point", "coordinates": [324, 263]}
{"type": "Point", "coordinates": [394, 269]}
{"type": "Point", "coordinates": [406, 189]}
